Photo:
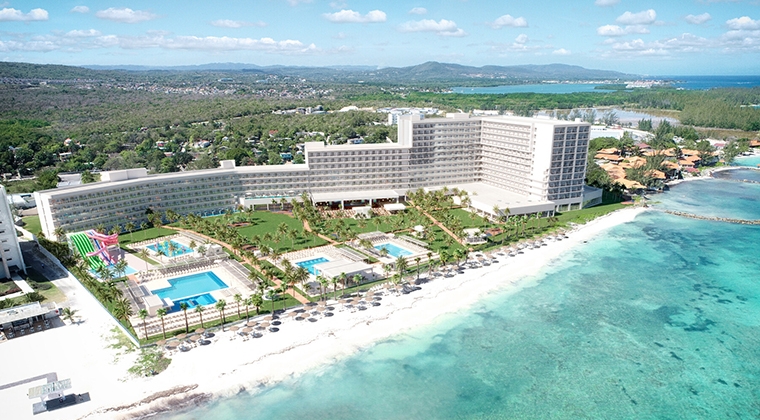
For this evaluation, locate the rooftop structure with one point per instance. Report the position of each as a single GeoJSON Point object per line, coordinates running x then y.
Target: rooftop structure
{"type": "Point", "coordinates": [534, 162]}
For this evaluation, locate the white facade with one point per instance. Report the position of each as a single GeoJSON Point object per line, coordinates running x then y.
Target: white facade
{"type": "Point", "coordinates": [538, 163]}
{"type": "Point", "coordinates": [11, 259]}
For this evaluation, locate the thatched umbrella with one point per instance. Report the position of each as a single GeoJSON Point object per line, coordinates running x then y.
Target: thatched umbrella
{"type": "Point", "coordinates": [200, 330]}
{"type": "Point", "coordinates": [234, 328]}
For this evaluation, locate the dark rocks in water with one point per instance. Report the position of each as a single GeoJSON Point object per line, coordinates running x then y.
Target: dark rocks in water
{"type": "Point", "coordinates": [675, 356]}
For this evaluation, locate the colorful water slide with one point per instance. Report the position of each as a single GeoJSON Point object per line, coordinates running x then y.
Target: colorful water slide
{"type": "Point", "coordinates": [102, 242]}
{"type": "Point", "coordinates": [83, 244]}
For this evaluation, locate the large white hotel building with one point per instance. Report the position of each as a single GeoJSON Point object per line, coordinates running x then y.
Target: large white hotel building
{"type": "Point", "coordinates": [528, 165]}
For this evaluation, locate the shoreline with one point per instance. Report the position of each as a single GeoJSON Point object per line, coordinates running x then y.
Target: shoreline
{"type": "Point", "coordinates": [231, 366]}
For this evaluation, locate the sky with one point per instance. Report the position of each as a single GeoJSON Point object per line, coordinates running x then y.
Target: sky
{"type": "Point", "coordinates": [675, 37]}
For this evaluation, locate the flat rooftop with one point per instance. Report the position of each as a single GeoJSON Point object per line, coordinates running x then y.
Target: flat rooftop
{"type": "Point", "coordinates": [484, 197]}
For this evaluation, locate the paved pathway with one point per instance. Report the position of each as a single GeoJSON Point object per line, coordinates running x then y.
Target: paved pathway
{"type": "Point", "coordinates": [308, 229]}
{"type": "Point", "coordinates": [440, 225]}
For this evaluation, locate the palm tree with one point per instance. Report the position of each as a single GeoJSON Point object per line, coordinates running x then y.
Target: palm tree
{"type": "Point", "coordinates": [68, 314]}
{"type": "Point", "coordinates": [417, 263]}
{"type": "Point", "coordinates": [184, 306]}
{"type": "Point", "coordinates": [334, 281]}
{"type": "Point", "coordinates": [59, 232]}
{"type": "Point", "coordinates": [248, 302]}
{"type": "Point", "coordinates": [386, 270]}
{"type": "Point", "coordinates": [120, 267]}
{"type": "Point", "coordinates": [130, 227]}
{"type": "Point", "coordinates": [357, 279]}
{"type": "Point", "coordinates": [220, 305]}
{"type": "Point", "coordinates": [238, 298]}
{"type": "Point", "coordinates": [271, 295]}
{"type": "Point", "coordinates": [199, 309]}
{"type": "Point", "coordinates": [143, 313]}
{"type": "Point", "coordinates": [323, 283]}
{"type": "Point", "coordinates": [343, 279]}
{"type": "Point", "coordinates": [300, 275]}
{"type": "Point", "coordinates": [123, 310]}
{"type": "Point", "coordinates": [161, 313]}
{"type": "Point", "coordinates": [256, 301]}
{"type": "Point", "coordinates": [144, 255]}
{"type": "Point", "coordinates": [401, 265]}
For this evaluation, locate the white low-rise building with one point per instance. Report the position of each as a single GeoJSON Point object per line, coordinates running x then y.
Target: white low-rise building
{"type": "Point", "coordinates": [529, 165]}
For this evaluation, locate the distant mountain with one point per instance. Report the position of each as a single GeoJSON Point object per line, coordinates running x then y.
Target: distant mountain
{"type": "Point", "coordinates": [430, 72]}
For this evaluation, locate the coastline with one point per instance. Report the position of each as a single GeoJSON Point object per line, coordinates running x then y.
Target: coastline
{"type": "Point", "coordinates": [228, 367]}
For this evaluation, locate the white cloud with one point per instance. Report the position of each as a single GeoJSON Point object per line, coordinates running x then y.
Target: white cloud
{"type": "Point", "coordinates": [508, 20]}
{"type": "Point", "coordinates": [610, 30]}
{"type": "Point", "coordinates": [227, 23]}
{"type": "Point", "coordinates": [562, 51]}
{"type": "Point", "coordinates": [743, 23]}
{"type": "Point", "coordinates": [686, 43]}
{"type": "Point", "coordinates": [418, 11]}
{"type": "Point", "coordinates": [521, 39]}
{"type": "Point", "coordinates": [83, 33]}
{"type": "Point", "coordinates": [340, 35]}
{"type": "Point", "coordinates": [698, 19]}
{"type": "Point", "coordinates": [443, 27]}
{"type": "Point", "coordinates": [125, 15]}
{"type": "Point", "coordinates": [81, 9]}
{"type": "Point", "coordinates": [350, 16]}
{"type": "Point", "coordinates": [615, 30]}
{"type": "Point", "coordinates": [297, 2]}
{"type": "Point", "coordinates": [646, 17]}
{"type": "Point", "coordinates": [604, 3]}
{"type": "Point", "coordinates": [10, 14]}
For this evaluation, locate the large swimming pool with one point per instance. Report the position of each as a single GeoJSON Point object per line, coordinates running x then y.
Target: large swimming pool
{"type": "Point", "coordinates": [394, 250]}
{"type": "Point", "coordinates": [192, 286]}
{"type": "Point", "coordinates": [170, 248]}
{"type": "Point", "coordinates": [309, 264]}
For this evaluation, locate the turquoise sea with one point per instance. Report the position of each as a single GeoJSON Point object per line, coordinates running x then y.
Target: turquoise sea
{"type": "Point", "coordinates": [657, 318]}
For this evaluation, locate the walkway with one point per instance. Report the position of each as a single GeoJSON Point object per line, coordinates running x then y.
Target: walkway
{"type": "Point", "coordinates": [308, 229]}
{"type": "Point", "coordinates": [440, 225]}
{"type": "Point", "coordinates": [275, 280]}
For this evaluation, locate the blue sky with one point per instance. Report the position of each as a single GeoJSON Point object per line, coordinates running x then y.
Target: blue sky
{"type": "Point", "coordinates": [677, 37]}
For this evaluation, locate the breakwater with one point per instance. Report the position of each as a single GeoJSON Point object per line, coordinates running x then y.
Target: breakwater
{"type": "Point", "coordinates": [713, 218]}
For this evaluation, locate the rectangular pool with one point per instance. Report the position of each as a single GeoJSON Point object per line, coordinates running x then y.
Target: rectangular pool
{"type": "Point", "coordinates": [189, 286]}
{"type": "Point", "coordinates": [394, 250]}
{"type": "Point", "coordinates": [170, 248]}
{"type": "Point", "coordinates": [309, 264]}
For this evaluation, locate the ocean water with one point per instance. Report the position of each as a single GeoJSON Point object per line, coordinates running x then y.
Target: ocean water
{"type": "Point", "coordinates": [683, 82]}
{"type": "Point", "coordinates": [657, 318]}
{"type": "Point", "coordinates": [752, 161]}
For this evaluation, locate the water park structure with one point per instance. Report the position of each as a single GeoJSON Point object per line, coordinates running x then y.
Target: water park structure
{"type": "Point", "coordinates": [95, 247]}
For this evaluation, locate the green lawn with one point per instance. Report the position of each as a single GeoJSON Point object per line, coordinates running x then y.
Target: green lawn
{"type": "Point", "coordinates": [32, 224]}
{"type": "Point", "coordinates": [585, 215]}
{"type": "Point", "coordinates": [144, 235]}
{"type": "Point", "coordinates": [263, 222]}
{"type": "Point", "coordinates": [468, 219]}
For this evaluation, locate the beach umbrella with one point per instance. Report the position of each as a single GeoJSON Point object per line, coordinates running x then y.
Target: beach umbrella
{"type": "Point", "coordinates": [194, 338]}
{"type": "Point", "coordinates": [252, 323]}
{"type": "Point", "coordinates": [234, 328]}
{"type": "Point", "coordinates": [247, 330]}
{"type": "Point", "coordinates": [264, 325]}
{"type": "Point", "coordinates": [268, 318]}
{"type": "Point", "coordinates": [160, 342]}
{"type": "Point", "coordinates": [181, 336]}
{"type": "Point", "coordinates": [293, 314]}
{"type": "Point", "coordinates": [170, 347]}
{"type": "Point", "coordinates": [200, 330]}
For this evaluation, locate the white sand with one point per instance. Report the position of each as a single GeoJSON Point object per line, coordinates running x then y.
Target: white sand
{"type": "Point", "coordinates": [79, 351]}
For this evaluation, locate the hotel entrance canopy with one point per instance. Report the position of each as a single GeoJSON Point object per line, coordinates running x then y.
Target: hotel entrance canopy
{"type": "Point", "coordinates": [332, 197]}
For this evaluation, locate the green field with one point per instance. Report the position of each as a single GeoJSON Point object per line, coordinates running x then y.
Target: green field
{"type": "Point", "coordinates": [144, 235]}
{"type": "Point", "coordinates": [266, 222]}
{"type": "Point", "coordinates": [32, 224]}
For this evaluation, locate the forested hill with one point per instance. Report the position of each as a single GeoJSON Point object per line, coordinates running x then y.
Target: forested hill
{"type": "Point", "coordinates": [430, 72]}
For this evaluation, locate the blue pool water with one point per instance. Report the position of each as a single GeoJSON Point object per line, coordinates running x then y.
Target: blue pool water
{"type": "Point", "coordinates": [192, 285]}
{"type": "Point", "coordinates": [657, 318]}
{"type": "Point", "coordinates": [309, 265]}
{"type": "Point", "coordinates": [394, 250]}
{"type": "Point", "coordinates": [177, 250]}
{"type": "Point", "coordinates": [192, 302]}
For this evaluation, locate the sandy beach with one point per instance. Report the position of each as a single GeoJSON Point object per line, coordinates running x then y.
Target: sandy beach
{"type": "Point", "coordinates": [226, 367]}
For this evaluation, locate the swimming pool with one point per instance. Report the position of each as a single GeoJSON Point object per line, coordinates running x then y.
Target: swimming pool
{"type": "Point", "coordinates": [192, 302]}
{"type": "Point", "coordinates": [188, 287]}
{"type": "Point", "coordinates": [170, 248]}
{"type": "Point", "coordinates": [309, 264]}
{"type": "Point", "coordinates": [394, 250]}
